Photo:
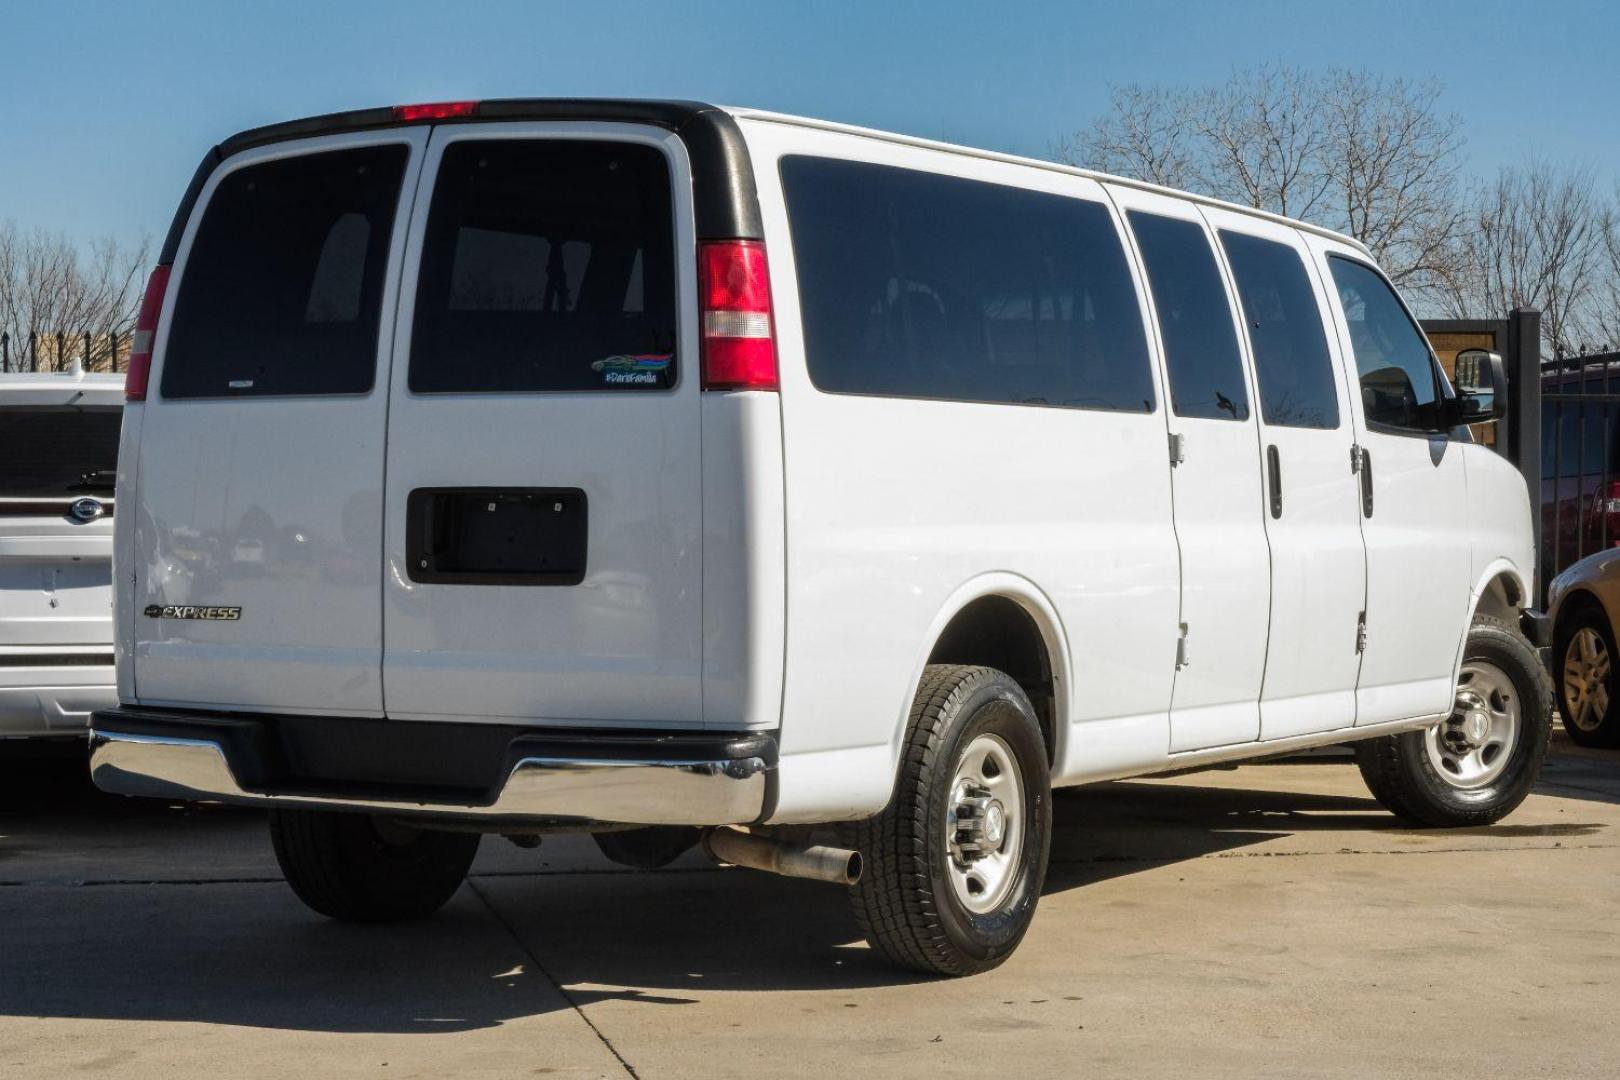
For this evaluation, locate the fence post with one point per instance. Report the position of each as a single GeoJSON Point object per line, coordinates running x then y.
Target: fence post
{"type": "Point", "coordinates": [5, 352]}
{"type": "Point", "coordinates": [1523, 363]}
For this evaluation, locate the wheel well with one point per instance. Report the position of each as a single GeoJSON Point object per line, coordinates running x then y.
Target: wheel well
{"type": "Point", "coordinates": [1502, 599]}
{"type": "Point", "coordinates": [994, 631]}
{"type": "Point", "coordinates": [1577, 601]}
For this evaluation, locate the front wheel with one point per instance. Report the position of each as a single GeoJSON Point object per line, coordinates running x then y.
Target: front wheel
{"type": "Point", "coordinates": [1476, 766]}
{"type": "Point", "coordinates": [361, 868]}
{"type": "Point", "coordinates": [954, 865]}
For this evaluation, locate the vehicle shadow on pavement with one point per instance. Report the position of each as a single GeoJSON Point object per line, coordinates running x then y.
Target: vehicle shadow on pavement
{"type": "Point", "coordinates": [1575, 772]}
{"type": "Point", "coordinates": [649, 937]}
{"type": "Point", "coordinates": [1109, 830]}
{"type": "Point", "coordinates": [213, 936]}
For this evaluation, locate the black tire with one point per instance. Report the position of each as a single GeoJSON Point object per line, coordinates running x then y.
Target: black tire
{"type": "Point", "coordinates": [1602, 728]}
{"type": "Point", "coordinates": [1401, 776]}
{"type": "Point", "coordinates": [359, 869]}
{"type": "Point", "coordinates": [904, 902]}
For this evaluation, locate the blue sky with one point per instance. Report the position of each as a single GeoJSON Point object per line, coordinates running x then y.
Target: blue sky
{"type": "Point", "coordinates": [105, 108]}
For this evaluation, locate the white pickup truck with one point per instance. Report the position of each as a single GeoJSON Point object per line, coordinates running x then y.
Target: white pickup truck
{"type": "Point", "coordinates": [58, 462]}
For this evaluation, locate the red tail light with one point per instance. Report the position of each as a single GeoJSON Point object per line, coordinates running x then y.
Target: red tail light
{"type": "Point", "coordinates": [739, 351]}
{"type": "Point", "coordinates": [1605, 520]}
{"type": "Point", "coordinates": [146, 327]}
{"type": "Point", "coordinates": [435, 110]}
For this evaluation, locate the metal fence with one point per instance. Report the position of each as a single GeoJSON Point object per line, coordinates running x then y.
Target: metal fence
{"type": "Point", "coordinates": [60, 351]}
{"type": "Point", "coordinates": [1579, 499]}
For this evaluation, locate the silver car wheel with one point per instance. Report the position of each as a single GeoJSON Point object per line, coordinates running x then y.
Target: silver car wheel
{"type": "Point", "coordinates": [1586, 680]}
{"type": "Point", "coordinates": [1471, 747]}
{"type": "Point", "coordinates": [984, 826]}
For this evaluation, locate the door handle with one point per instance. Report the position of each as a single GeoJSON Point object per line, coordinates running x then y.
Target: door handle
{"type": "Point", "coordinates": [1366, 484]}
{"type": "Point", "coordinates": [1274, 477]}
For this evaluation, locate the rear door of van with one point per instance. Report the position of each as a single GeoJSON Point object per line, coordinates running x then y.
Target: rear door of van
{"type": "Point", "coordinates": [543, 507]}
{"type": "Point", "coordinates": [257, 547]}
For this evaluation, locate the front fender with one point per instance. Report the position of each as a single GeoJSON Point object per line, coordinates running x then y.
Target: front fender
{"type": "Point", "coordinates": [1501, 590]}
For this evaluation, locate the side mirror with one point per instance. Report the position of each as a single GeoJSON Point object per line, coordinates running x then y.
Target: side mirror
{"type": "Point", "coordinates": [1481, 389]}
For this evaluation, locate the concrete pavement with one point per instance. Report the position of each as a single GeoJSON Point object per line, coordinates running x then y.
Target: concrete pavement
{"type": "Point", "coordinates": [1267, 920]}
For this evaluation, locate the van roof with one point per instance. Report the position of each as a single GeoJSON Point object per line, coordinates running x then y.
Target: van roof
{"type": "Point", "coordinates": [1039, 163]}
{"type": "Point", "coordinates": [724, 194]}
{"type": "Point", "coordinates": [694, 120]}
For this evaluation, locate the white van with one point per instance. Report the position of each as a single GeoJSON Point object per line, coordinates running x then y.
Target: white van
{"type": "Point", "coordinates": [679, 474]}
{"type": "Point", "coordinates": [58, 461]}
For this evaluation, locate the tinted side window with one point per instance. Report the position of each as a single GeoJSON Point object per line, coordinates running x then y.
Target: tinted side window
{"type": "Point", "coordinates": [548, 265]}
{"type": "Point", "coordinates": [918, 285]}
{"type": "Point", "coordinates": [1398, 384]}
{"type": "Point", "coordinates": [283, 287]}
{"type": "Point", "coordinates": [1291, 361]}
{"type": "Point", "coordinates": [1195, 318]}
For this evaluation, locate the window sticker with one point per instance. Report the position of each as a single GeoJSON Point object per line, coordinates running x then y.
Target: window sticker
{"type": "Point", "coordinates": [642, 369]}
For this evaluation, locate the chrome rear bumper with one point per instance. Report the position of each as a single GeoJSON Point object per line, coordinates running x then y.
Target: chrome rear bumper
{"type": "Point", "coordinates": [562, 789]}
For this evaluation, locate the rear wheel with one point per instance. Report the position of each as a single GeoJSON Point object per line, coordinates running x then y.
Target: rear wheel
{"type": "Point", "coordinates": [361, 868]}
{"type": "Point", "coordinates": [954, 865]}
{"type": "Point", "coordinates": [1585, 651]}
{"type": "Point", "coordinates": [1477, 765]}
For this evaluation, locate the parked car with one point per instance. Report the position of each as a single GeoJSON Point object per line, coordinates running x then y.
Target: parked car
{"type": "Point", "coordinates": [1582, 602]}
{"type": "Point", "coordinates": [820, 495]}
{"type": "Point", "coordinates": [58, 464]}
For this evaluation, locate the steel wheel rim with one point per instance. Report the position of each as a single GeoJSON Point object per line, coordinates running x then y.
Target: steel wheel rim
{"type": "Point", "coordinates": [1472, 747]}
{"type": "Point", "coordinates": [984, 824]}
{"type": "Point", "coordinates": [1586, 680]}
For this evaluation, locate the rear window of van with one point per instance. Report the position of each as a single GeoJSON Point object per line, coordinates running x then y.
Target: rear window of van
{"type": "Point", "coordinates": [58, 452]}
{"type": "Point", "coordinates": [283, 287]}
{"type": "Point", "coordinates": [548, 265]}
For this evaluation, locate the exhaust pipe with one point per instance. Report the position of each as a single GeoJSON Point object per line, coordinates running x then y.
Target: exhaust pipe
{"type": "Point", "coordinates": [840, 866]}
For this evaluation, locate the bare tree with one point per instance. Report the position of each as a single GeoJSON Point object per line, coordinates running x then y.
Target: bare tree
{"type": "Point", "coordinates": [1367, 155]}
{"type": "Point", "coordinates": [1606, 304]}
{"type": "Point", "coordinates": [52, 292]}
{"type": "Point", "coordinates": [1541, 236]}
{"type": "Point", "coordinates": [1148, 133]}
{"type": "Point", "coordinates": [1392, 159]}
{"type": "Point", "coordinates": [1264, 135]}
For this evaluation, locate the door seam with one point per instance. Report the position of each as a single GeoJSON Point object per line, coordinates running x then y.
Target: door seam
{"type": "Point", "coordinates": [388, 410]}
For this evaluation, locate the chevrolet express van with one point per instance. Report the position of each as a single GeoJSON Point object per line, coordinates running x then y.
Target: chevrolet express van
{"type": "Point", "coordinates": [826, 497]}
{"type": "Point", "coordinates": [58, 462]}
